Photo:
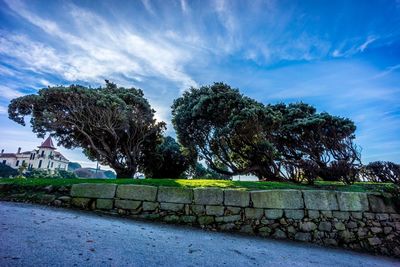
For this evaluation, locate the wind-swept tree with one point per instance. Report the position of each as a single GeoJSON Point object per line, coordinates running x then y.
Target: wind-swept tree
{"type": "Point", "coordinates": [226, 129]}
{"type": "Point", "coordinates": [113, 125]}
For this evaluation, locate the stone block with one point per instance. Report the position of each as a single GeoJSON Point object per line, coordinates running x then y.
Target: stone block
{"type": "Point", "coordinates": [378, 203]}
{"type": "Point", "coordinates": [313, 214]}
{"type": "Point", "coordinates": [352, 201]}
{"type": "Point", "coordinates": [305, 237]}
{"type": "Point", "coordinates": [171, 219]}
{"type": "Point", "coordinates": [137, 192]}
{"type": "Point", "coordinates": [294, 214]}
{"type": "Point", "coordinates": [47, 198]}
{"type": "Point", "coordinates": [104, 204]}
{"type": "Point", "coordinates": [339, 226]}
{"type": "Point", "coordinates": [236, 198]}
{"type": "Point", "coordinates": [252, 213]}
{"type": "Point", "coordinates": [229, 218]}
{"type": "Point", "coordinates": [374, 241]}
{"type": "Point", "coordinates": [171, 206]}
{"type": "Point", "coordinates": [247, 229]}
{"type": "Point", "coordinates": [325, 226]}
{"type": "Point", "coordinates": [326, 213]}
{"type": "Point", "coordinates": [208, 196]}
{"type": "Point", "coordinates": [357, 215]}
{"type": "Point", "coordinates": [127, 204]}
{"type": "Point", "coordinates": [279, 234]}
{"type": "Point", "coordinates": [93, 190]}
{"type": "Point", "coordinates": [215, 210]}
{"type": "Point", "coordinates": [382, 216]}
{"type": "Point", "coordinates": [273, 214]}
{"type": "Point", "coordinates": [175, 195]}
{"type": "Point", "coordinates": [198, 209]}
{"type": "Point", "coordinates": [149, 206]}
{"type": "Point", "coordinates": [80, 202]}
{"type": "Point", "coordinates": [277, 199]}
{"type": "Point", "coordinates": [307, 226]}
{"type": "Point", "coordinates": [188, 219]}
{"type": "Point", "coordinates": [232, 210]}
{"type": "Point", "coordinates": [320, 200]}
{"type": "Point", "coordinates": [205, 220]}
{"type": "Point", "coordinates": [341, 215]}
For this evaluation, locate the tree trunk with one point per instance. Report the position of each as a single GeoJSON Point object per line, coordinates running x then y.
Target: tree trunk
{"type": "Point", "coordinates": [125, 173]}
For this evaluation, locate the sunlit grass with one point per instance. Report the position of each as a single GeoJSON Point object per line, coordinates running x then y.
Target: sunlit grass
{"type": "Point", "coordinates": [240, 185]}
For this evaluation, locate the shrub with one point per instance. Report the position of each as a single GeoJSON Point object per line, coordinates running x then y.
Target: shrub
{"type": "Point", "coordinates": [383, 171]}
{"type": "Point", "coordinates": [6, 171]}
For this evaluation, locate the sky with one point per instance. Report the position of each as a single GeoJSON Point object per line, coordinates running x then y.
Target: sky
{"type": "Point", "coordinates": [343, 57]}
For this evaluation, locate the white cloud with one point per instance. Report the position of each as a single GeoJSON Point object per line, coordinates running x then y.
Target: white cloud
{"type": "Point", "coordinates": [85, 54]}
{"type": "Point", "coordinates": [3, 110]}
{"type": "Point", "coordinates": [9, 93]}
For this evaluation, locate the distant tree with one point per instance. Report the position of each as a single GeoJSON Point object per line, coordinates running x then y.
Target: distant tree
{"type": "Point", "coordinates": [384, 171]}
{"type": "Point", "coordinates": [169, 160]}
{"type": "Point", "coordinates": [201, 172]}
{"type": "Point", "coordinates": [6, 171]}
{"type": "Point", "coordinates": [84, 173]}
{"type": "Point", "coordinates": [63, 174]}
{"type": "Point", "coordinates": [110, 174]}
{"type": "Point", "coordinates": [113, 125]}
{"type": "Point", "coordinates": [72, 166]}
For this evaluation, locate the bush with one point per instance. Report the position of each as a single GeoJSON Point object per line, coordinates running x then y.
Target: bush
{"type": "Point", "coordinates": [383, 171]}
{"type": "Point", "coordinates": [58, 174]}
{"type": "Point", "coordinates": [6, 171]}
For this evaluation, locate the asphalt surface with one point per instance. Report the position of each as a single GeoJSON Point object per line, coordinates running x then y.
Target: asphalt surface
{"type": "Point", "coordinates": [33, 235]}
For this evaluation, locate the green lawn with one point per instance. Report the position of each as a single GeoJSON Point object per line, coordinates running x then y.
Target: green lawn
{"type": "Point", "coordinates": [357, 187]}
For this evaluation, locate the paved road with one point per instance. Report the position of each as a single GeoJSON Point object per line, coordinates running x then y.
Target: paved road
{"type": "Point", "coordinates": [33, 235]}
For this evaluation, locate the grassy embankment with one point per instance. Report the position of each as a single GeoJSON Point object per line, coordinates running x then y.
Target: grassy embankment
{"type": "Point", "coordinates": [357, 187]}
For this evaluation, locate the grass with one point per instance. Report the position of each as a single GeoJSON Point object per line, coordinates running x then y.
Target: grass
{"type": "Point", "coordinates": [240, 185]}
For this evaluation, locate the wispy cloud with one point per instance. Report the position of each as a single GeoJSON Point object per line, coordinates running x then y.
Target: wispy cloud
{"type": "Point", "coordinates": [86, 55]}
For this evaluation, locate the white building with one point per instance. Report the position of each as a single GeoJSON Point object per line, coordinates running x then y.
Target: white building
{"type": "Point", "coordinates": [45, 157]}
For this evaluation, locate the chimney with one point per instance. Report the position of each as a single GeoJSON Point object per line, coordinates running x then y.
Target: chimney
{"type": "Point", "coordinates": [19, 150]}
{"type": "Point", "coordinates": [2, 151]}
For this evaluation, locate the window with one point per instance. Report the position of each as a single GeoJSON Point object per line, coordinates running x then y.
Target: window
{"type": "Point", "coordinates": [40, 164]}
{"type": "Point", "coordinates": [4, 161]}
{"type": "Point", "coordinates": [17, 163]}
{"type": "Point", "coordinates": [33, 156]}
{"type": "Point", "coordinates": [42, 153]}
{"type": "Point", "coordinates": [23, 161]}
{"type": "Point", "coordinates": [52, 164]}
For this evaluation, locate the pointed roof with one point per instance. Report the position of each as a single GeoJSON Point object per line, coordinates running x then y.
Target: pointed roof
{"type": "Point", "coordinates": [48, 143]}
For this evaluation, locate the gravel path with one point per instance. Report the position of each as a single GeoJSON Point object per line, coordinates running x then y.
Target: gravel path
{"type": "Point", "coordinates": [33, 235]}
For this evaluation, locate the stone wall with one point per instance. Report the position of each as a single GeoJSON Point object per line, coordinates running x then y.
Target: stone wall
{"type": "Point", "coordinates": [358, 221]}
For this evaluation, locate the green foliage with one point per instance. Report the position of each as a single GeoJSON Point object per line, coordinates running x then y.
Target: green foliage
{"type": "Point", "coordinates": [383, 171]}
{"type": "Point", "coordinates": [169, 160]}
{"type": "Point", "coordinates": [63, 174]}
{"type": "Point", "coordinates": [113, 125]}
{"type": "Point", "coordinates": [6, 171]}
{"type": "Point", "coordinates": [72, 166]}
{"type": "Point", "coordinates": [237, 135]}
{"type": "Point", "coordinates": [39, 173]}
{"type": "Point", "coordinates": [201, 172]}
{"type": "Point", "coordinates": [22, 169]}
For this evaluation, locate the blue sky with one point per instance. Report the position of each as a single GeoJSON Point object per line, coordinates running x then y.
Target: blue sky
{"type": "Point", "coordinates": [341, 56]}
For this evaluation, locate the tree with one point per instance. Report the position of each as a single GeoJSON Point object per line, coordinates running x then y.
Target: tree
{"type": "Point", "coordinates": [22, 169]}
{"type": "Point", "coordinates": [383, 171]}
{"type": "Point", "coordinates": [113, 125]}
{"type": "Point", "coordinates": [72, 166]}
{"type": "Point", "coordinates": [6, 171]}
{"type": "Point", "coordinates": [315, 144]}
{"type": "Point", "coordinates": [169, 160]}
{"type": "Point", "coordinates": [237, 135]}
{"type": "Point", "coordinates": [224, 127]}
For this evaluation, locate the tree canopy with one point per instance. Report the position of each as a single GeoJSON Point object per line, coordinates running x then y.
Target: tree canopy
{"type": "Point", "coordinates": [113, 125]}
{"type": "Point", "coordinates": [238, 135]}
